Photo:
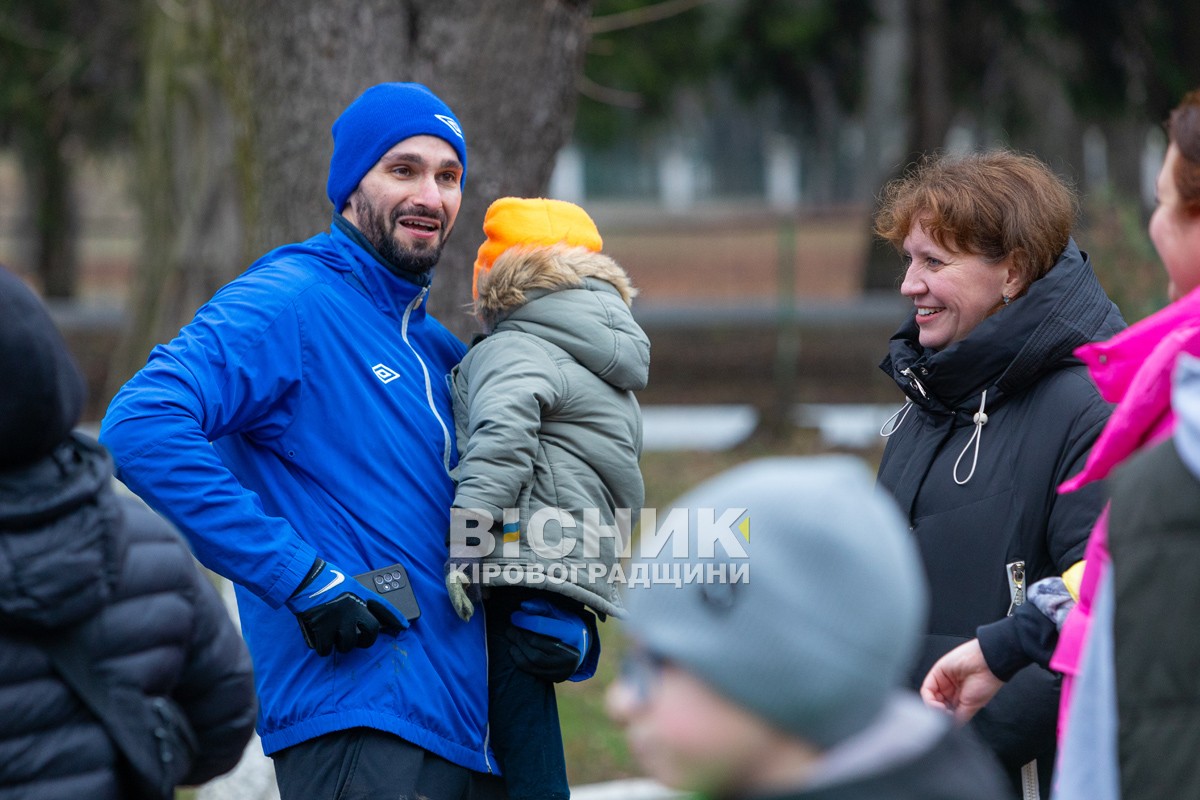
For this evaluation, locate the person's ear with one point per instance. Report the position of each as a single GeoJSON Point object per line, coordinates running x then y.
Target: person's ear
{"type": "Point", "coordinates": [348, 211]}
{"type": "Point", "coordinates": [1014, 279]}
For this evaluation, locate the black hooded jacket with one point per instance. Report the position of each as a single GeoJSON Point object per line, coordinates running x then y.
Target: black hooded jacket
{"type": "Point", "coordinates": [73, 553]}
{"type": "Point", "coordinates": [981, 506]}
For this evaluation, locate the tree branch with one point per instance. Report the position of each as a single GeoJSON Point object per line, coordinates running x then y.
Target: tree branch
{"type": "Point", "coordinates": [642, 16]}
{"type": "Point", "coordinates": [606, 94]}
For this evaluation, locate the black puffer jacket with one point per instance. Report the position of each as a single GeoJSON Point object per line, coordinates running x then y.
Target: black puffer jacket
{"type": "Point", "coordinates": [978, 506]}
{"type": "Point", "coordinates": [71, 551]}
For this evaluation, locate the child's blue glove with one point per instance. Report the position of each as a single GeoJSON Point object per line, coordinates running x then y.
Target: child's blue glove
{"type": "Point", "coordinates": [335, 610]}
{"type": "Point", "coordinates": [554, 644]}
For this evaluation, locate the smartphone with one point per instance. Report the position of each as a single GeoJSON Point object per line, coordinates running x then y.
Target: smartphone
{"type": "Point", "coordinates": [392, 583]}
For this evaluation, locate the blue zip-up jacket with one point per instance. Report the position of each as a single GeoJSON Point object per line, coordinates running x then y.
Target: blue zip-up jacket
{"type": "Point", "coordinates": [321, 383]}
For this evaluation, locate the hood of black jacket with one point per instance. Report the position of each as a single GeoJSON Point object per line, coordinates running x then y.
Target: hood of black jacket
{"type": "Point", "coordinates": [1010, 350]}
{"type": "Point", "coordinates": [56, 559]}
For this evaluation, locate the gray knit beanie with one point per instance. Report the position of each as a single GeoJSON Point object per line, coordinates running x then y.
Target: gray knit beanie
{"type": "Point", "coordinates": [825, 623]}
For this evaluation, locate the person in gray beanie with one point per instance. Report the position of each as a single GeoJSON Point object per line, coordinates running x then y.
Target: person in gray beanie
{"type": "Point", "coordinates": [95, 579]}
{"type": "Point", "coordinates": [772, 667]}
{"type": "Point", "coordinates": [299, 431]}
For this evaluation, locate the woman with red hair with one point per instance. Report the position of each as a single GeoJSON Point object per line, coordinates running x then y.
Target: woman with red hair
{"type": "Point", "coordinates": [1119, 647]}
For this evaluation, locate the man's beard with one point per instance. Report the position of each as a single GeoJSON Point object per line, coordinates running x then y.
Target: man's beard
{"type": "Point", "coordinates": [380, 232]}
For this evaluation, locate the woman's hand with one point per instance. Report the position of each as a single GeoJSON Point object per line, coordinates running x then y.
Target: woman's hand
{"type": "Point", "coordinates": [960, 682]}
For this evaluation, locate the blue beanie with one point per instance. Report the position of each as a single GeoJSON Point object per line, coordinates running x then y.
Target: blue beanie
{"type": "Point", "coordinates": [381, 117]}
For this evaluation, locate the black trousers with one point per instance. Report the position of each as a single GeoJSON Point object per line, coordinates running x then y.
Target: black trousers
{"type": "Point", "coordinates": [366, 764]}
{"type": "Point", "coordinates": [523, 712]}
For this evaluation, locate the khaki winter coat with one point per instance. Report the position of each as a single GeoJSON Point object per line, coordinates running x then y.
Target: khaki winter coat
{"type": "Point", "coordinates": [547, 420]}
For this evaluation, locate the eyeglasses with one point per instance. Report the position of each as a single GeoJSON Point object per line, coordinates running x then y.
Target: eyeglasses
{"type": "Point", "coordinates": [640, 671]}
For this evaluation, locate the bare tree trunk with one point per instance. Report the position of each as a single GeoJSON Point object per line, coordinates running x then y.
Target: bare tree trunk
{"type": "Point", "coordinates": [186, 185]}
{"type": "Point", "coordinates": [53, 208]}
{"type": "Point", "coordinates": [828, 128]}
{"type": "Point", "coordinates": [1126, 137]}
{"type": "Point", "coordinates": [890, 85]}
{"type": "Point", "coordinates": [507, 68]}
{"type": "Point", "coordinates": [932, 108]}
{"type": "Point", "coordinates": [1056, 133]}
{"type": "Point", "coordinates": [886, 112]}
{"type": "Point", "coordinates": [250, 95]}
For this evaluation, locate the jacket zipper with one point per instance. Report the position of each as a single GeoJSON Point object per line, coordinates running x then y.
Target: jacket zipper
{"type": "Point", "coordinates": [487, 723]}
{"type": "Point", "coordinates": [416, 301]}
{"type": "Point", "coordinates": [1016, 584]}
{"type": "Point", "coordinates": [412, 306]}
{"type": "Point", "coordinates": [1029, 782]}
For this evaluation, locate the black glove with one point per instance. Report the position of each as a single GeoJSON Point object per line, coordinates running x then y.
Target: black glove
{"type": "Point", "coordinates": [543, 656]}
{"type": "Point", "coordinates": [340, 612]}
{"type": "Point", "coordinates": [551, 643]}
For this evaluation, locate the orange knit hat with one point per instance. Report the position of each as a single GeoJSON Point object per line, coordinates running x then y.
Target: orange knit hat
{"type": "Point", "coordinates": [536, 222]}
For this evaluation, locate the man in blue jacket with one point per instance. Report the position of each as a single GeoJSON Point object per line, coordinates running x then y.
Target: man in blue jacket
{"type": "Point", "coordinates": [299, 431]}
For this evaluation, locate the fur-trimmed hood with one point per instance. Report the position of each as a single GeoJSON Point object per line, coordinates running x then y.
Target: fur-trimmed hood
{"type": "Point", "coordinates": [575, 298]}
{"type": "Point", "coordinates": [522, 269]}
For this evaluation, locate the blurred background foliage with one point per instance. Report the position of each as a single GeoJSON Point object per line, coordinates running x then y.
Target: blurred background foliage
{"type": "Point", "coordinates": [857, 88]}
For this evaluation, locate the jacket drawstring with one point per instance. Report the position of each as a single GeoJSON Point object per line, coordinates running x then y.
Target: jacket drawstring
{"type": "Point", "coordinates": [980, 419]}
{"type": "Point", "coordinates": [901, 412]}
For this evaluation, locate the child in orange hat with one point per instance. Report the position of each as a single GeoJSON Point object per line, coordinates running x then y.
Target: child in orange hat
{"type": "Point", "coordinates": [549, 438]}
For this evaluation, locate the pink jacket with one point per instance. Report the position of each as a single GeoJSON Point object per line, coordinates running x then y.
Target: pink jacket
{"type": "Point", "coordinates": [1132, 369]}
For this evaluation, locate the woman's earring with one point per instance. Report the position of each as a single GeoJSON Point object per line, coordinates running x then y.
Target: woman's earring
{"type": "Point", "coordinates": [1006, 299]}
